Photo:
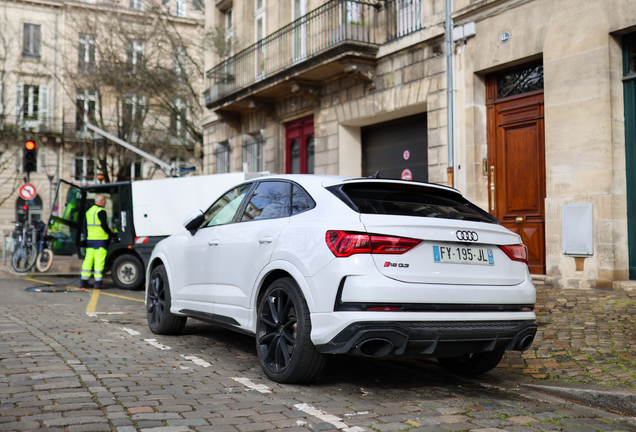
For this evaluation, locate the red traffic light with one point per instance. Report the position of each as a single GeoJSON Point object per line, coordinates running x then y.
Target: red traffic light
{"type": "Point", "coordinates": [25, 207]}
{"type": "Point", "coordinates": [29, 145]}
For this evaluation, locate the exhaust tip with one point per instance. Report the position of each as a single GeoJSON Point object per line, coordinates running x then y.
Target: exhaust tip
{"type": "Point", "coordinates": [375, 347]}
{"type": "Point", "coordinates": [525, 343]}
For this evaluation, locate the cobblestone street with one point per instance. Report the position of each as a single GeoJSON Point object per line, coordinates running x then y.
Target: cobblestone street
{"type": "Point", "coordinates": [62, 368]}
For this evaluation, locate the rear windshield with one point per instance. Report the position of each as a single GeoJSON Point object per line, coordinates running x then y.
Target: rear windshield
{"type": "Point", "coordinates": [407, 200]}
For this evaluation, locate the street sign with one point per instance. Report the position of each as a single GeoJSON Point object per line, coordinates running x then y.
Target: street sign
{"type": "Point", "coordinates": [27, 191]}
{"type": "Point", "coordinates": [407, 175]}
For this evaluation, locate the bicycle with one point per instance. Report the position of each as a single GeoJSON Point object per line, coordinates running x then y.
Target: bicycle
{"type": "Point", "coordinates": [24, 252]}
{"type": "Point", "coordinates": [45, 255]}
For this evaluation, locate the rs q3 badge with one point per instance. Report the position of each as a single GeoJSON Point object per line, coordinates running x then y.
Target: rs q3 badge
{"type": "Point", "coordinates": [467, 235]}
{"type": "Point", "coordinates": [390, 264]}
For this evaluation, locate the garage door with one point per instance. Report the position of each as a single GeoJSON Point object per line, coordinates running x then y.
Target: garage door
{"type": "Point", "coordinates": [398, 149]}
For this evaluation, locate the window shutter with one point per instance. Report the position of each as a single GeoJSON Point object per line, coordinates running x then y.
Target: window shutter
{"type": "Point", "coordinates": [43, 104]}
{"type": "Point", "coordinates": [19, 101]}
{"type": "Point", "coordinates": [36, 40]}
{"type": "Point", "coordinates": [1, 98]}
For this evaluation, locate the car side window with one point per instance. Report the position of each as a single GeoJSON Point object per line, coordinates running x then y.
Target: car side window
{"type": "Point", "coordinates": [270, 200]}
{"type": "Point", "coordinates": [225, 208]}
{"type": "Point", "coordinates": [301, 202]}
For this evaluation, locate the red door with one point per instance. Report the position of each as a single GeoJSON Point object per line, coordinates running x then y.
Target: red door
{"type": "Point", "coordinates": [516, 169]}
{"type": "Point", "coordinates": [299, 146]}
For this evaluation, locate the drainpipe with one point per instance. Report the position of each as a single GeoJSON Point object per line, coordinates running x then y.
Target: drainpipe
{"type": "Point", "coordinates": [450, 94]}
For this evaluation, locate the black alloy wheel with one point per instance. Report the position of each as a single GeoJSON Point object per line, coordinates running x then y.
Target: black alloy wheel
{"type": "Point", "coordinates": [160, 319]}
{"type": "Point", "coordinates": [283, 343]}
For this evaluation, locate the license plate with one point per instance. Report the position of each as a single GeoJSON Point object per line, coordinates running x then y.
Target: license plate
{"type": "Point", "coordinates": [463, 255]}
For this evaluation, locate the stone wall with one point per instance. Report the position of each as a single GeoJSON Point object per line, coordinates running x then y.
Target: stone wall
{"type": "Point", "coordinates": [584, 134]}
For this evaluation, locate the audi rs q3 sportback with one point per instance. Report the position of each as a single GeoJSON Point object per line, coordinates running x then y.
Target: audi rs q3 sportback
{"type": "Point", "coordinates": [314, 266]}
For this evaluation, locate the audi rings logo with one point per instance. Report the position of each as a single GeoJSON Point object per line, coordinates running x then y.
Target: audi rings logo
{"type": "Point", "coordinates": [467, 235]}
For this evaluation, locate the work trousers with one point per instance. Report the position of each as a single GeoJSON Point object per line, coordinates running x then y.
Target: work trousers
{"type": "Point", "coordinates": [95, 257]}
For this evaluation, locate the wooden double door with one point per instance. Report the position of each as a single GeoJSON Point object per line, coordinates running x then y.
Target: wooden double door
{"type": "Point", "coordinates": [516, 166]}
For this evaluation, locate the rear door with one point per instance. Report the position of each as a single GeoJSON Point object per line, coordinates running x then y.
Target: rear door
{"type": "Point", "coordinates": [247, 246]}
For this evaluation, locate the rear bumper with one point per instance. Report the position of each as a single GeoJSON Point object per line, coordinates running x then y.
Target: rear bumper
{"type": "Point", "coordinates": [430, 338]}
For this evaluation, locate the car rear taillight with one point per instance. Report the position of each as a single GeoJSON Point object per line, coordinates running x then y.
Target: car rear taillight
{"type": "Point", "coordinates": [344, 244]}
{"type": "Point", "coordinates": [516, 252]}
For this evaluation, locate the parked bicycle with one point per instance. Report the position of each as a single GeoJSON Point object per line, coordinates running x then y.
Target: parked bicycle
{"type": "Point", "coordinates": [24, 252]}
{"type": "Point", "coordinates": [45, 255]}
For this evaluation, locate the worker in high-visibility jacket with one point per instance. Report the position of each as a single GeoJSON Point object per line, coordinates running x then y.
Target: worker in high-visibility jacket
{"type": "Point", "coordinates": [97, 235]}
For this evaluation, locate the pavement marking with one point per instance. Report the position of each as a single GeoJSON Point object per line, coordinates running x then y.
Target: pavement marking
{"type": "Point", "coordinates": [92, 304]}
{"type": "Point", "coordinates": [154, 343]}
{"type": "Point", "coordinates": [261, 388]}
{"type": "Point", "coordinates": [95, 314]}
{"type": "Point", "coordinates": [130, 331]}
{"type": "Point", "coordinates": [327, 418]}
{"type": "Point", "coordinates": [197, 361]}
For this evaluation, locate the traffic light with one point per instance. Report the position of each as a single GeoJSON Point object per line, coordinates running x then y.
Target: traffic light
{"type": "Point", "coordinates": [29, 160]}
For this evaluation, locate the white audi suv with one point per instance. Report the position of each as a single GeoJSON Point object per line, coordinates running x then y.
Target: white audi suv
{"type": "Point", "coordinates": [314, 266]}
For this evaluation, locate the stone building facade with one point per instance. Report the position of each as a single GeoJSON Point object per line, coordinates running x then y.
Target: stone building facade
{"type": "Point", "coordinates": [569, 62]}
{"type": "Point", "coordinates": [544, 114]}
{"type": "Point", "coordinates": [339, 91]}
{"type": "Point", "coordinates": [45, 46]}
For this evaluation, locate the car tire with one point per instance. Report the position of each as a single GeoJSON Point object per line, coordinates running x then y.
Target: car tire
{"type": "Point", "coordinates": [283, 329]}
{"type": "Point", "coordinates": [127, 272]}
{"type": "Point", "coordinates": [472, 364]}
{"type": "Point", "coordinates": [160, 320]}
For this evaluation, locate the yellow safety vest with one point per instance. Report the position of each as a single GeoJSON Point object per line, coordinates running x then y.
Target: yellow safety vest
{"type": "Point", "coordinates": [93, 226]}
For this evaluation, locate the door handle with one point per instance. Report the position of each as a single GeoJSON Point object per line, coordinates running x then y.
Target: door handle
{"type": "Point", "coordinates": [214, 242]}
{"type": "Point", "coordinates": [519, 219]}
{"type": "Point", "coordinates": [492, 187]}
{"type": "Point", "coordinates": [267, 239]}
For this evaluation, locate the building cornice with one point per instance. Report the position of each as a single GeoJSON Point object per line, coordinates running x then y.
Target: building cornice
{"type": "Point", "coordinates": [131, 12]}
{"type": "Point", "coordinates": [484, 9]}
{"type": "Point", "coordinates": [45, 3]}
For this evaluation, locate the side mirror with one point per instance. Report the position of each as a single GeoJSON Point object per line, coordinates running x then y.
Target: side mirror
{"type": "Point", "coordinates": [193, 221]}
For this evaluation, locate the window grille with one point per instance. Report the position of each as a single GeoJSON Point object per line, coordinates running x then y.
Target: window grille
{"type": "Point", "coordinates": [520, 81]}
{"type": "Point", "coordinates": [253, 145]}
{"type": "Point", "coordinates": [222, 154]}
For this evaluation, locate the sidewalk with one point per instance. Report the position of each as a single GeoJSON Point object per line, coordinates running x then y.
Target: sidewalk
{"type": "Point", "coordinates": [62, 266]}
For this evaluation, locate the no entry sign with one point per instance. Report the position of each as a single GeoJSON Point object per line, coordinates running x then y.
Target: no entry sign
{"type": "Point", "coordinates": [27, 191]}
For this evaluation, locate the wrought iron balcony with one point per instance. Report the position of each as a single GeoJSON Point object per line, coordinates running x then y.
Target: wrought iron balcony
{"type": "Point", "coordinates": [315, 47]}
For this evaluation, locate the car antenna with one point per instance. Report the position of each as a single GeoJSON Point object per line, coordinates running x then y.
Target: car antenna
{"type": "Point", "coordinates": [375, 176]}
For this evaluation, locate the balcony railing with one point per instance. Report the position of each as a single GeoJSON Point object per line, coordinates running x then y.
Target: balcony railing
{"type": "Point", "coordinates": [323, 28]}
{"type": "Point", "coordinates": [402, 18]}
{"type": "Point", "coordinates": [34, 124]}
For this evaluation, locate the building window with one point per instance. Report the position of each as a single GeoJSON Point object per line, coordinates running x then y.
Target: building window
{"type": "Point", "coordinates": [259, 31]}
{"type": "Point", "coordinates": [31, 41]}
{"type": "Point", "coordinates": [222, 154]}
{"type": "Point", "coordinates": [180, 10]}
{"type": "Point", "coordinates": [253, 152]}
{"type": "Point", "coordinates": [85, 107]}
{"type": "Point", "coordinates": [133, 114]}
{"type": "Point", "coordinates": [83, 168]}
{"type": "Point", "coordinates": [178, 119]}
{"type": "Point", "coordinates": [32, 105]}
{"type": "Point", "coordinates": [86, 53]}
{"type": "Point", "coordinates": [136, 4]}
{"type": "Point", "coordinates": [197, 4]}
{"type": "Point", "coordinates": [134, 171]}
{"type": "Point", "coordinates": [135, 52]}
{"type": "Point", "coordinates": [520, 81]}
